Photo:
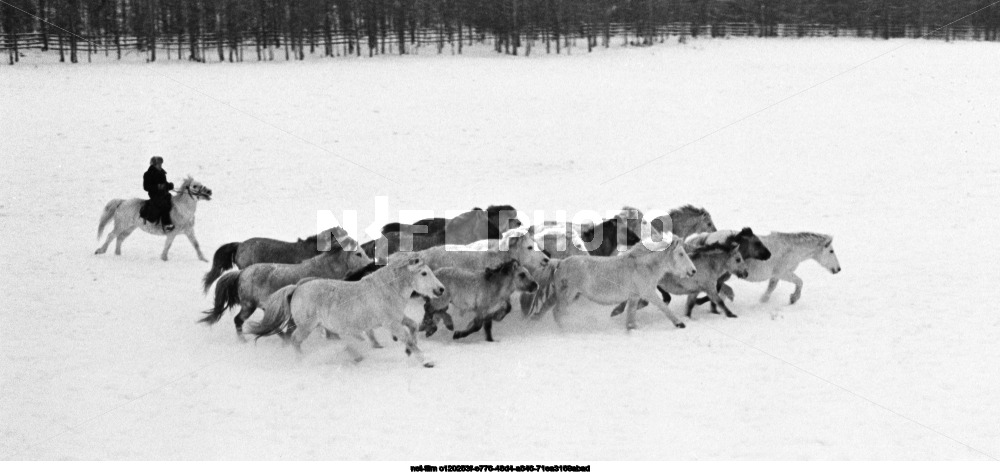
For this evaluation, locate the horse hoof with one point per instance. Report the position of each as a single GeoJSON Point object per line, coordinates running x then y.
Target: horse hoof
{"type": "Point", "coordinates": [680, 325]}
{"type": "Point", "coordinates": [731, 316]}
{"type": "Point", "coordinates": [429, 365]}
{"type": "Point", "coordinates": [629, 327]}
{"type": "Point", "coordinates": [793, 299]}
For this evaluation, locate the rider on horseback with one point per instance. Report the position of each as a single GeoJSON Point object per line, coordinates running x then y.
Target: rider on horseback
{"type": "Point", "coordinates": [154, 181]}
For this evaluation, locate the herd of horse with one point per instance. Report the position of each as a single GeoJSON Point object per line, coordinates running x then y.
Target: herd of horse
{"type": "Point", "coordinates": [474, 265]}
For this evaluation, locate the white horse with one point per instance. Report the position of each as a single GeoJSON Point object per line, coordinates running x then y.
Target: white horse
{"type": "Point", "coordinates": [349, 308]}
{"type": "Point", "coordinates": [788, 250]}
{"type": "Point", "coordinates": [126, 215]}
{"type": "Point", "coordinates": [629, 276]}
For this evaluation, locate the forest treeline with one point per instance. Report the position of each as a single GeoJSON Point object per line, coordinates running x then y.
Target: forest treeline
{"type": "Point", "coordinates": [201, 29]}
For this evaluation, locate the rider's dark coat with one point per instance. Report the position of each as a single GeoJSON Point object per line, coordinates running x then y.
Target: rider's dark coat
{"type": "Point", "coordinates": [154, 181]}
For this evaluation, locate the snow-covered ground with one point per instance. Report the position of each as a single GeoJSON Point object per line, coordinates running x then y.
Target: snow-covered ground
{"type": "Point", "coordinates": [894, 358]}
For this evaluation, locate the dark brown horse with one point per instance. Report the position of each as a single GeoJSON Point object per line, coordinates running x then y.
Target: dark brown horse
{"type": "Point", "coordinates": [265, 250]}
{"type": "Point", "coordinates": [463, 229]}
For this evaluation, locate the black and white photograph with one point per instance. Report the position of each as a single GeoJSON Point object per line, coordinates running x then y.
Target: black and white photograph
{"type": "Point", "coordinates": [499, 235]}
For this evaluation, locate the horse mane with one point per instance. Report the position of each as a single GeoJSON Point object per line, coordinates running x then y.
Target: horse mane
{"type": "Point", "coordinates": [658, 246]}
{"type": "Point", "coordinates": [808, 238]}
{"type": "Point", "coordinates": [503, 269]}
{"type": "Point", "coordinates": [696, 246]}
{"type": "Point", "coordinates": [687, 209]}
{"type": "Point", "coordinates": [363, 272]}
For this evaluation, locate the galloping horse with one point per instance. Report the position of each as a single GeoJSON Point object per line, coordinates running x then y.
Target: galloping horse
{"type": "Point", "coordinates": [630, 276]}
{"type": "Point", "coordinates": [265, 250]}
{"type": "Point", "coordinates": [126, 216]}
{"type": "Point", "coordinates": [250, 287]}
{"type": "Point", "coordinates": [352, 309]}
{"type": "Point", "coordinates": [787, 252]}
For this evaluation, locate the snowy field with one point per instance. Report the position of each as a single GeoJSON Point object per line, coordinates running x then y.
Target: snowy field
{"type": "Point", "coordinates": [893, 358]}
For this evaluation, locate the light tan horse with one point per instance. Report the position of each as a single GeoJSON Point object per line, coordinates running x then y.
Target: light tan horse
{"type": "Point", "coordinates": [352, 309]}
{"type": "Point", "coordinates": [126, 216]}
{"type": "Point", "coordinates": [629, 276]}
{"type": "Point", "coordinates": [253, 285]}
{"type": "Point", "coordinates": [788, 250]}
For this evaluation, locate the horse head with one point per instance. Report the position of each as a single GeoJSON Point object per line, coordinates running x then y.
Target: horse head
{"type": "Point", "coordinates": [522, 246]}
{"type": "Point", "coordinates": [334, 237]}
{"type": "Point", "coordinates": [689, 220]}
{"type": "Point", "coordinates": [826, 256]}
{"type": "Point", "coordinates": [423, 280]}
{"type": "Point", "coordinates": [196, 190]}
{"type": "Point", "coordinates": [736, 264]}
{"type": "Point", "coordinates": [675, 256]}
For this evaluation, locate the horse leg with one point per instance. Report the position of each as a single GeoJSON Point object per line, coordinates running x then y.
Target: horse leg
{"type": "Point", "coordinates": [194, 243]}
{"type": "Point", "coordinates": [166, 246]}
{"type": "Point", "coordinates": [371, 336]}
{"type": "Point", "coordinates": [353, 351]}
{"type": "Point", "coordinates": [564, 299]}
{"type": "Point", "coordinates": [793, 278]}
{"type": "Point", "coordinates": [630, 313]}
{"type": "Point", "coordinates": [120, 236]}
{"type": "Point", "coordinates": [475, 325]}
{"type": "Point", "coordinates": [245, 312]}
{"type": "Point", "coordinates": [666, 310]}
{"type": "Point", "coordinates": [401, 331]}
{"type": "Point", "coordinates": [714, 295]}
{"type": "Point", "coordinates": [488, 329]}
{"type": "Point", "coordinates": [428, 324]}
{"type": "Point", "coordinates": [411, 325]}
{"type": "Point", "coordinates": [619, 309]}
{"type": "Point", "coordinates": [692, 300]}
{"type": "Point", "coordinates": [111, 236]}
{"type": "Point", "coordinates": [666, 296]}
{"type": "Point", "coordinates": [300, 334]}
{"type": "Point", "coordinates": [444, 317]}
{"type": "Point", "coordinates": [771, 285]}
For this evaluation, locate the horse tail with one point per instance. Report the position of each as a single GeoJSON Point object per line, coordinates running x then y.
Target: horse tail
{"type": "Point", "coordinates": [224, 259]}
{"type": "Point", "coordinates": [277, 312]}
{"type": "Point", "coordinates": [109, 212]}
{"type": "Point", "coordinates": [546, 290]}
{"type": "Point", "coordinates": [227, 295]}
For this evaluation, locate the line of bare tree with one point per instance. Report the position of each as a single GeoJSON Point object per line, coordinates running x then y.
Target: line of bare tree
{"type": "Point", "coordinates": [200, 29]}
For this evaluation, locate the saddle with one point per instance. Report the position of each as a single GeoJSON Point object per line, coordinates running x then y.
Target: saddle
{"type": "Point", "coordinates": [153, 210]}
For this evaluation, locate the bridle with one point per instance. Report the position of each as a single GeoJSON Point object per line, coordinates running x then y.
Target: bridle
{"type": "Point", "coordinates": [195, 196]}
